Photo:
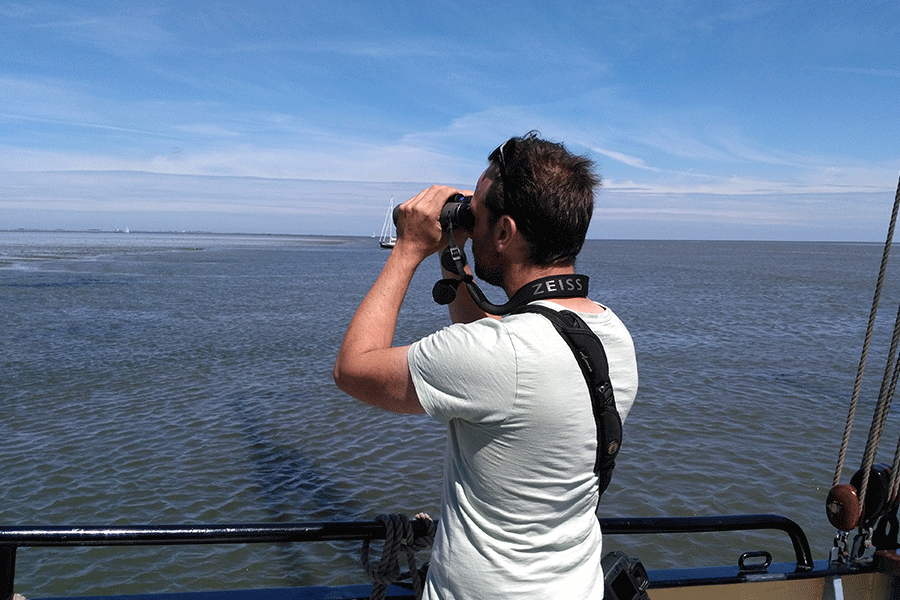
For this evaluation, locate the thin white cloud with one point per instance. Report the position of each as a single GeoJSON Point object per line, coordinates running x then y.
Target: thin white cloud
{"type": "Point", "coordinates": [131, 30]}
{"type": "Point", "coordinates": [631, 161]}
{"type": "Point", "coordinates": [356, 208]}
{"type": "Point", "coordinates": [874, 72]}
{"type": "Point", "coordinates": [206, 130]}
{"type": "Point", "coordinates": [76, 124]}
{"type": "Point", "coordinates": [358, 93]}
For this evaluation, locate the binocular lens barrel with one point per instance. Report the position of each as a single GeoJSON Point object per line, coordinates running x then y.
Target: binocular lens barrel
{"type": "Point", "coordinates": [456, 212]}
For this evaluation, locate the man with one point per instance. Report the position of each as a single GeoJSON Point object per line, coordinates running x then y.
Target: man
{"type": "Point", "coordinates": [520, 493]}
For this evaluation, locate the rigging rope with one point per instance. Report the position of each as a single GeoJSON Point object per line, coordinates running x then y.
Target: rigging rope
{"type": "Point", "coordinates": [865, 351]}
{"type": "Point", "coordinates": [885, 395]}
{"type": "Point", "coordinates": [399, 538]}
{"type": "Point", "coordinates": [895, 467]}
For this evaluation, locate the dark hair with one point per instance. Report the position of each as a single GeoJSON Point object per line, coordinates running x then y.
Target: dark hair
{"type": "Point", "coordinates": [549, 194]}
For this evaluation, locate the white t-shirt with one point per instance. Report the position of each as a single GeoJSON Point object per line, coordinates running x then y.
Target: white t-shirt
{"type": "Point", "coordinates": [518, 511]}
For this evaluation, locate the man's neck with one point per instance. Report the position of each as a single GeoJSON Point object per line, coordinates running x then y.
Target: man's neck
{"type": "Point", "coordinates": [518, 276]}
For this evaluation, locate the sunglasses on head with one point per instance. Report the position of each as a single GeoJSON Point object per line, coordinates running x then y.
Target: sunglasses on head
{"type": "Point", "coordinates": [499, 157]}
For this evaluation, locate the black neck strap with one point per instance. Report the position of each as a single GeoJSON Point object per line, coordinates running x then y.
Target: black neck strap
{"type": "Point", "coordinates": [544, 288]}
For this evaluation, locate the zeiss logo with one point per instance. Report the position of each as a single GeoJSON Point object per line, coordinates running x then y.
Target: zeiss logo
{"type": "Point", "coordinates": [551, 286]}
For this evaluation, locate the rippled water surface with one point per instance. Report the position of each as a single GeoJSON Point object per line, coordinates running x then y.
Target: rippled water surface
{"type": "Point", "coordinates": [186, 379]}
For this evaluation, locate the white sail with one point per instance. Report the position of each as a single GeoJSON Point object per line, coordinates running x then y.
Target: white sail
{"type": "Point", "coordinates": [388, 233]}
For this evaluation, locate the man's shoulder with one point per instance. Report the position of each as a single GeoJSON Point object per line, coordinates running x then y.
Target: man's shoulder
{"type": "Point", "coordinates": [604, 322]}
{"type": "Point", "coordinates": [477, 336]}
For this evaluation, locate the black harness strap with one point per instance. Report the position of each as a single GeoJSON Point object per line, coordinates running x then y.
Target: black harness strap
{"type": "Point", "coordinates": [589, 353]}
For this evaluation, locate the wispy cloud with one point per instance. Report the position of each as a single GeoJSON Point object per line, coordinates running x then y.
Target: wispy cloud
{"type": "Point", "coordinates": [889, 73]}
{"type": "Point", "coordinates": [693, 111]}
{"type": "Point", "coordinates": [631, 161]}
{"type": "Point", "coordinates": [132, 30]}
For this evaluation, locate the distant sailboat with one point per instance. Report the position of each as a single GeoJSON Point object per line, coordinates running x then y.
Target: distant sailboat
{"type": "Point", "coordinates": [388, 233]}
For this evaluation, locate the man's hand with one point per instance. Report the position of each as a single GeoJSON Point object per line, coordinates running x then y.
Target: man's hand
{"type": "Point", "coordinates": [418, 229]}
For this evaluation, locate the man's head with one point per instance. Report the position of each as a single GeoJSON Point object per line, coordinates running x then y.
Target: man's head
{"type": "Point", "coordinates": [547, 191]}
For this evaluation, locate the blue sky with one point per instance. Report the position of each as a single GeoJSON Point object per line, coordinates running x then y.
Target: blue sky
{"type": "Point", "coordinates": [707, 119]}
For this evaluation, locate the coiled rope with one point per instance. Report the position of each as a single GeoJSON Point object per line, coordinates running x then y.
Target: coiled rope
{"type": "Point", "coordinates": [887, 389]}
{"type": "Point", "coordinates": [399, 538]}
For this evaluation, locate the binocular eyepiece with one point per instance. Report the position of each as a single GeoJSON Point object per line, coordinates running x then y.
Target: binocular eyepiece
{"type": "Point", "coordinates": [456, 213]}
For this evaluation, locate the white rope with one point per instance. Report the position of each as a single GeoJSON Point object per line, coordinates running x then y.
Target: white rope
{"type": "Point", "coordinates": [865, 351]}
{"type": "Point", "coordinates": [885, 396]}
{"type": "Point", "coordinates": [882, 408]}
{"type": "Point", "coordinates": [399, 538]}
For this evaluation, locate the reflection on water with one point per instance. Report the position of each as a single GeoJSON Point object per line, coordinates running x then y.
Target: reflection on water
{"type": "Point", "coordinates": [186, 379]}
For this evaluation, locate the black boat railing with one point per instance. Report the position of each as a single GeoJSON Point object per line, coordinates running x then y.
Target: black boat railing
{"type": "Point", "coordinates": [12, 538]}
{"type": "Point", "coordinates": [716, 524]}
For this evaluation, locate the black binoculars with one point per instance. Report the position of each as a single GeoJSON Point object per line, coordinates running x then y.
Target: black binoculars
{"type": "Point", "coordinates": [456, 213]}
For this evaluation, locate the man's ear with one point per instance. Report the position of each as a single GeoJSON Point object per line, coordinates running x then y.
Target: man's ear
{"type": "Point", "coordinates": [504, 232]}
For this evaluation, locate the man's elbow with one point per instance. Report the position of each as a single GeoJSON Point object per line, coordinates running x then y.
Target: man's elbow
{"type": "Point", "coordinates": [336, 374]}
{"type": "Point", "coordinates": [351, 381]}
{"type": "Point", "coordinates": [341, 377]}
{"type": "Point", "coordinates": [386, 384]}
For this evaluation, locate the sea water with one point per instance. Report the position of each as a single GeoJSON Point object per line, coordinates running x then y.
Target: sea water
{"type": "Point", "coordinates": [186, 379]}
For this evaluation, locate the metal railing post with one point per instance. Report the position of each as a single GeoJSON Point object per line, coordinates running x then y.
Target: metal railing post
{"type": "Point", "coordinates": [7, 571]}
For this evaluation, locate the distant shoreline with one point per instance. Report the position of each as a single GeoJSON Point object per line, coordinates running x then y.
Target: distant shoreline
{"type": "Point", "coordinates": [325, 237]}
{"type": "Point", "coordinates": [170, 232]}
